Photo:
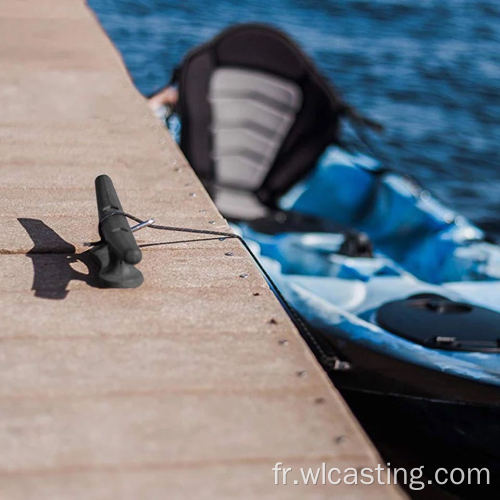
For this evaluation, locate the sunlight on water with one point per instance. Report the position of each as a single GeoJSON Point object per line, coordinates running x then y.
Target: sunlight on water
{"type": "Point", "coordinates": [428, 69]}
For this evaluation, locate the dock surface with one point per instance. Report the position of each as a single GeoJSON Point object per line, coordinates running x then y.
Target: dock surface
{"type": "Point", "coordinates": [193, 385]}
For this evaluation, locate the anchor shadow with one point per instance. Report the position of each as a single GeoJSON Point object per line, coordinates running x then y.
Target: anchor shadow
{"type": "Point", "coordinates": [52, 258]}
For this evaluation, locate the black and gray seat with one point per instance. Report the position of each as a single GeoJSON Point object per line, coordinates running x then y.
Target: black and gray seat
{"type": "Point", "coordinates": [255, 114]}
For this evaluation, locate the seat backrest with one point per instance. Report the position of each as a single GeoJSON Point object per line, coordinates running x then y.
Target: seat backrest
{"type": "Point", "coordinates": [255, 115]}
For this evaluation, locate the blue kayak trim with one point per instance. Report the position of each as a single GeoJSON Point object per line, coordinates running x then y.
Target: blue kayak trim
{"type": "Point", "coordinates": [405, 222]}
{"type": "Point", "coordinates": [481, 367]}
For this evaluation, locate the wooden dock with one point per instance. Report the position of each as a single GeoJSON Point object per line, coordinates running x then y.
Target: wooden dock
{"type": "Point", "coordinates": [192, 386]}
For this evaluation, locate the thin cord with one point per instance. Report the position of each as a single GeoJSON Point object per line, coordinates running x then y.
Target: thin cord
{"type": "Point", "coordinates": [162, 228]}
{"type": "Point", "coordinates": [179, 229]}
{"type": "Point", "coordinates": [328, 361]}
{"type": "Point", "coordinates": [176, 242]}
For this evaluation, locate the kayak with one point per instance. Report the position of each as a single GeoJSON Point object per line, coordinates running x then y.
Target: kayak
{"type": "Point", "coordinates": [417, 322]}
{"type": "Point", "coordinates": [396, 294]}
{"type": "Point", "coordinates": [367, 300]}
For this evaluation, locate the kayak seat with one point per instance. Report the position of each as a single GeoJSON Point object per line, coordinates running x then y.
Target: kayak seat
{"type": "Point", "coordinates": [256, 116]}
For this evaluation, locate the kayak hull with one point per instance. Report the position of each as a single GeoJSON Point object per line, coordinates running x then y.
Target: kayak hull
{"type": "Point", "coordinates": [378, 372]}
{"type": "Point", "coordinates": [420, 417]}
{"type": "Point", "coordinates": [413, 432]}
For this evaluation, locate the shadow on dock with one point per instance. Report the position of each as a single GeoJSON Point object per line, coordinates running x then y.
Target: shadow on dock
{"type": "Point", "coordinates": [52, 258]}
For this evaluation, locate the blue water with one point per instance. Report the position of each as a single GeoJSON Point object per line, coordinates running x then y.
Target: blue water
{"type": "Point", "coordinates": [428, 69]}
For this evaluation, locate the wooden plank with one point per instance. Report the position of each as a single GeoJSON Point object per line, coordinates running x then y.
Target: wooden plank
{"type": "Point", "coordinates": [182, 388]}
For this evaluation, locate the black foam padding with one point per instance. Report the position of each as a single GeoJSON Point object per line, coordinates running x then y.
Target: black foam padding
{"type": "Point", "coordinates": [438, 322]}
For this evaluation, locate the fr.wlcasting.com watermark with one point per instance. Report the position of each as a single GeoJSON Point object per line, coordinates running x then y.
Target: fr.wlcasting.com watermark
{"type": "Point", "coordinates": [414, 478]}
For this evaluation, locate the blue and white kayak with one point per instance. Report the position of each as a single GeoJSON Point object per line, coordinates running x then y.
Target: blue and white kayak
{"type": "Point", "coordinates": [417, 322]}
{"type": "Point", "coordinates": [421, 249]}
{"type": "Point", "coordinates": [399, 294]}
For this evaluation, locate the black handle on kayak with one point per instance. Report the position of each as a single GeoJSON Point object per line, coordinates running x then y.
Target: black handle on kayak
{"type": "Point", "coordinates": [117, 252]}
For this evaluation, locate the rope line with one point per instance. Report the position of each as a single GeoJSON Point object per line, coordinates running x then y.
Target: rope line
{"type": "Point", "coordinates": [327, 360]}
